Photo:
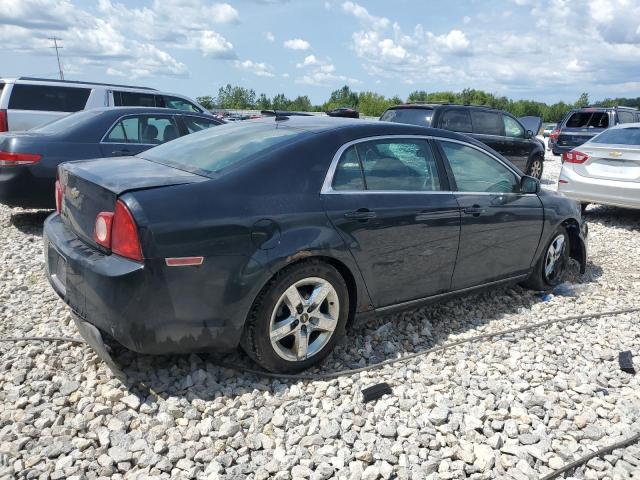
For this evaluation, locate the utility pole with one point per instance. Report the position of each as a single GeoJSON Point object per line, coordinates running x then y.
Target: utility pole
{"type": "Point", "coordinates": [55, 45]}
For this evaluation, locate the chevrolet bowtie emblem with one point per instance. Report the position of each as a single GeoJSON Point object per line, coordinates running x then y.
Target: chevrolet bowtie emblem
{"type": "Point", "coordinates": [615, 153]}
{"type": "Point", "coordinates": [75, 193]}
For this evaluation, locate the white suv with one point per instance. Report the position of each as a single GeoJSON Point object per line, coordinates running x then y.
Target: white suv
{"type": "Point", "coordinates": [27, 102]}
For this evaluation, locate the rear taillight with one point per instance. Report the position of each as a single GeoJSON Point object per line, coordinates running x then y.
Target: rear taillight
{"type": "Point", "coordinates": [117, 230]}
{"type": "Point", "coordinates": [574, 156]}
{"type": "Point", "coordinates": [555, 134]}
{"type": "Point", "coordinates": [12, 159]}
{"type": "Point", "coordinates": [58, 196]}
{"type": "Point", "coordinates": [4, 124]}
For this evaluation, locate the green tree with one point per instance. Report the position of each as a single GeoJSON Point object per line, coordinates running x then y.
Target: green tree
{"type": "Point", "coordinates": [280, 102]}
{"type": "Point", "coordinates": [417, 96]}
{"type": "Point", "coordinates": [263, 103]}
{"type": "Point", "coordinates": [300, 104]}
{"type": "Point", "coordinates": [207, 102]}
{"type": "Point", "coordinates": [583, 101]}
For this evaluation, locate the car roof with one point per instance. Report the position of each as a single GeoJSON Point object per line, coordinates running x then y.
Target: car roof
{"type": "Point", "coordinates": [72, 82]}
{"type": "Point", "coordinates": [133, 110]}
{"type": "Point", "coordinates": [443, 104]}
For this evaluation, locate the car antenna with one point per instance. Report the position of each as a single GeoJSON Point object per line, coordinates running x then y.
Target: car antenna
{"type": "Point", "coordinates": [279, 117]}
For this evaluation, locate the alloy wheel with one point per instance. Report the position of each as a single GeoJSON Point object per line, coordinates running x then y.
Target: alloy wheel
{"type": "Point", "coordinates": [555, 258]}
{"type": "Point", "coordinates": [536, 169]}
{"type": "Point", "coordinates": [304, 319]}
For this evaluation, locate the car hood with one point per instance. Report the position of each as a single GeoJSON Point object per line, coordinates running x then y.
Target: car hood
{"type": "Point", "coordinates": [531, 123]}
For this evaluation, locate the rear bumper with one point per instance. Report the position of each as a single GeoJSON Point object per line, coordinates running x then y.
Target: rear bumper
{"type": "Point", "coordinates": [595, 190]}
{"type": "Point", "coordinates": [148, 308]}
{"type": "Point", "coordinates": [19, 187]}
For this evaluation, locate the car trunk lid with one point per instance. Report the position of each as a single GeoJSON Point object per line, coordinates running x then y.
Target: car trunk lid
{"type": "Point", "coordinates": [583, 125]}
{"type": "Point", "coordinates": [610, 162]}
{"type": "Point", "coordinates": [532, 123]}
{"type": "Point", "coordinates": [93, 186]}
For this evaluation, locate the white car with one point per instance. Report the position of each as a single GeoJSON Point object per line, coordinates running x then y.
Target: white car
{"type": "Point", "coordinates": [606, 169]}
{"type": "Point", "coordinates": [27, 102]}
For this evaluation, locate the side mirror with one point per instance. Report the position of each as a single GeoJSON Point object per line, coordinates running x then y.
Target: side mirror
{"type": "Point", "coordinates": [529, 184]}
{"type": "Point", "coordinates": [529, 134]}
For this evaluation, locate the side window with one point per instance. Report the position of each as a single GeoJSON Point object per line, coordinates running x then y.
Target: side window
{"type": "Point", "coordinates": [625, 117]}
{"type": "Point", "coordinates": [487, 123]}
{"type": "Point", "coordinates": [133, 99]}
{"type": "Point", "coordinates": [47, 98]}
{"type": "Point", "coordinates": [398, 165]}
{"type": "Point", "coordinates": [348, 174]}
{"type": "Point", "coordinates": [144, 129]}
{"type": "Point", "coordinates": [512, 128]}
{"type": "Point", "coordinates": [195, 124]}
{"type": "Point", "coordinates": [179, 104]}
{"type": "Point", "coordinates": [475, 171]}
{"type": "Point", "coordinates": [457, 120]}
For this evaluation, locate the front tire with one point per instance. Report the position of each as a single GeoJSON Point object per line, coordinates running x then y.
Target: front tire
{"type": "Point", "coordinates": [298, 318]}
{"type": "Point", "coordinates": [551, 267]}
{"type": "Point", "coordinates": [535, 168]}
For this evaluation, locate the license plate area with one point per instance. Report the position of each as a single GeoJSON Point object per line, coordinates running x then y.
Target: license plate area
{"type": "Point", "coordinates": [57, 269]}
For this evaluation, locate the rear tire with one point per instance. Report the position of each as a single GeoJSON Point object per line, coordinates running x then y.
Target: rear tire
{"type": "Point", "coordinates": [298, 318]}
{"type": "Point", "coordinates": [551, 267]}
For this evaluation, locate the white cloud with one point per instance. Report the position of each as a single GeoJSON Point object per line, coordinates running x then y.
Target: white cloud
{"type": "Point", "coordinates": [455, 42]}
{"type": "Point", "coordinates": [269, 36]}
{"type": "Point", "coordinates": [308, 61]}
{"type": "Point", "coordinates": [297, 44]}
{"type": "Point", "coordinates": [257, 68]}
{"type": "Point", "coordinates": [364, 16]}
{"type": "Point", "coordinates": [215, 45]}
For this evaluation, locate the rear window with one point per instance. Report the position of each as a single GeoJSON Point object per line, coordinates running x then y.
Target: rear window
{"type": "Point", "coordinates": [588, 120]}
{"type": "Point", "coordinates": [413, 116]}
{"type": "Point", "coordinates": [134, 99]}
{"type": "Point", "coordinates": [216, 149]}
{"type": "Point", "coordinates": [67, 123]}
{"type": "Point", "coordinates": [619, 136]}
{"type": "Point", "coordinates": [48, 98]}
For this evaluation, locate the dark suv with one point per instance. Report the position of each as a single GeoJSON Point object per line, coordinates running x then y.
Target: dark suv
{"type": "Point", "coordinates": [495, 128]}
{"type": "Point", "coordinates": [581, 124]}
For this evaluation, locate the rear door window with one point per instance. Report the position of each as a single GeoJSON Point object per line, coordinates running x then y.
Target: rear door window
{"type": "Point", "coordinates": [48, 98]}
{"type": "Point", "coordinates": [134, 99]}
{"type": "Point", "coordinates": [348, 175]}
{"type": "Point", "coordinates": [144, 129]}
{"type": "Point", "coordinates": [487, 123]}
{"type": "Point", "coordinates": [457, 120]}
{"type": "Point", "coordinates": [588, 120]}
{"type": "Point", "coordinates": [626, 117]}
{"type": "Point", "coordinates": [413, 116]}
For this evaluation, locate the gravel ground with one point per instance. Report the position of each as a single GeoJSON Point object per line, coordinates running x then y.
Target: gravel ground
{"type": "Point", "coordinates": [516, 407]}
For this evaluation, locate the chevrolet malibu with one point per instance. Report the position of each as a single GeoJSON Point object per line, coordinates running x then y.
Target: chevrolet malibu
{"type": "Point", "coordinates": [275, 234]}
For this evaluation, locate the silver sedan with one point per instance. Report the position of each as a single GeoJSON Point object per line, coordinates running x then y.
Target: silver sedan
{"type": "Point", "coordinates": [606, 169]}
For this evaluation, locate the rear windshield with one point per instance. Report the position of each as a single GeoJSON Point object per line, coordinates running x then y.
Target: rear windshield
{"type": "Point", "coordinates": [215, 149]}
{"type": "Point", "coordinates": [413, 116]}
{"type": "Point", "coordinates": [619, 136]}
{"type": "Point", "coordinates": [66, 123]}
{"type": "Point", "coordinates": [48, 98]}
{"type": "Point", "coordinates": [588, 120]}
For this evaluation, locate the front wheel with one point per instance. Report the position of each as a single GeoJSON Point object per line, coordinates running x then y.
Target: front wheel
{"type": "Point", "coordinates": [535, 168]}
{"type": "Point", "coordinates": [550, 269]}
{"type": "Point", "coordinates": [298, 318]}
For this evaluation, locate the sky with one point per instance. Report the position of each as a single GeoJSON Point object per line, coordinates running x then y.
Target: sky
{"type": "Point", "coordinates": [546, 50]}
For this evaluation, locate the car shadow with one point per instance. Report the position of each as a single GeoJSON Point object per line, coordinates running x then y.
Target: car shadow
{"type": "Point", "coordinates": [617, 217]}
{"type": "Point", "coordinates": [30, 221]}
{"type": "Point", "coordinates": [368, 342]}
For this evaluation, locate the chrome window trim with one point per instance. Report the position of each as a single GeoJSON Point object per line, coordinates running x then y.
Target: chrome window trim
{"type": "Point", "coordinates": [103, 141]}
{"type": "Point", "coordinates": [327, 185]}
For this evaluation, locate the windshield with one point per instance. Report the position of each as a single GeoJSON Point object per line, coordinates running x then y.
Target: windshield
{"type": "Point", "coordinates": [67, 122]}
{"type": "Point", "coordinates": [413, 116]}
{"type": "Point", "coordinates": [619, 136]}
{"type": "Point", "coordinates": [215, 149]}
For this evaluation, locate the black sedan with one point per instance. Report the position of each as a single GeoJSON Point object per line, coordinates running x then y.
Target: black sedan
{"type": "Point", "coordinates": [28, 160]}
{"type": "Point", "coordinates": [275, 234]}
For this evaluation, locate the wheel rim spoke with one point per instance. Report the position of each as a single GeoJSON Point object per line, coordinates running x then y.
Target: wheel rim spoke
{"type": "Point", "coordinates": [292, 299]}
{"type": "Point", "coordinates": [283, 329]}
{"type": "Point", "coordinates": [324, 322]}
{"type": "Point", "coordinates": [301, 344]}
{"type": "Point", "coordinates": [318, 296]}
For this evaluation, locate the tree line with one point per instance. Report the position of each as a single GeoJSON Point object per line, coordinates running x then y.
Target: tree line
{"type": "Point", "coordinates": [373, 104]}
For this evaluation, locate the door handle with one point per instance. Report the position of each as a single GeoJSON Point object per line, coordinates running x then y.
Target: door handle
{"type": "Point", "coordinates": [476, 210]}
{"type": "Point", "coordinates": [119, 153]}
{"type": "Point", "coordinates": [361, 214]}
